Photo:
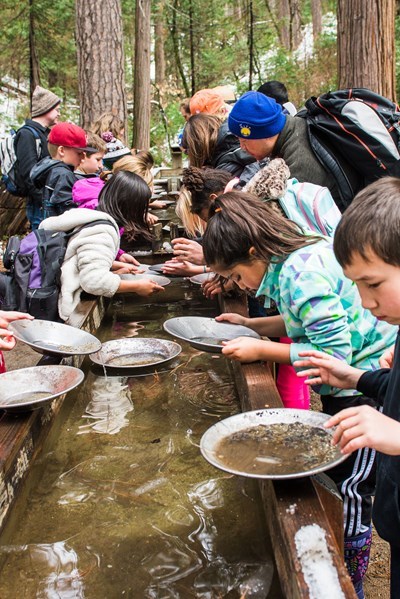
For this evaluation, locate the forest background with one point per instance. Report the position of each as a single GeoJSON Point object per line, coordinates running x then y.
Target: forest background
{"type": "Point", "coordinates": [194, 44]}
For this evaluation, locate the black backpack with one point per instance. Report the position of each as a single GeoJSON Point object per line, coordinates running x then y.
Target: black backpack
{"type": "Point", "coordinates": [32, 283]}
{"type": "Point", "coordinates": [355, 134]}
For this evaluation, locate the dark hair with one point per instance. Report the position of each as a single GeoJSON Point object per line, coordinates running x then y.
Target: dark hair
{"type": "Point", "coordinates": [202, 182]}
{"type": "Point", "coordinates": [372, 221]}
{"type": "Point", "coordinates": [126, 197]}
{"type": "Point", "coordinates": [200, 138]}
{"type": "Point", "coordinates": [240, 221]}
{"type": "Point", "coordinates": [276, 90]}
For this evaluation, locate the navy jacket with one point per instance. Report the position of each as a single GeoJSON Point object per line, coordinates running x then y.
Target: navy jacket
{"type": "Point", "coordinates": [384, 385]}
{"type": "Point", "coordinates": [55, 180]}
{"type": "Point", "coordinates": [27, 155]}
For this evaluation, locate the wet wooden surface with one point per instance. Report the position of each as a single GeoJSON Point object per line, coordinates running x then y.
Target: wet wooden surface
{"type": "Point", "coordinates": [290, 504]}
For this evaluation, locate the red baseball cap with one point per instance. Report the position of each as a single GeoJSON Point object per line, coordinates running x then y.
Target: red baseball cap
{"type": "Point", "coordinates": [70, 136]}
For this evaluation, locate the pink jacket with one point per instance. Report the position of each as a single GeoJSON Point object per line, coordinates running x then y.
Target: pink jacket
{"type": "Point", "coordinates": [85, 194]}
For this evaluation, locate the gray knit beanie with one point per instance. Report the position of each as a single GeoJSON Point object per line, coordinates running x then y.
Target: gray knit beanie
{"type": "Point", "coordinates": [43, 100]}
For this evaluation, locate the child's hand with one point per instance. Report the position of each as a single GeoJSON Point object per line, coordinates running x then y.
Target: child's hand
{"type": "Point", "coordinates": [244, 349]}
{"type": "Point", "coordinates": [7, 340]}
{"type": "Point", "coordinates": [147, 287]}
{"type": "Point", "coordinates": [188, 249]}
{"type": "Point", "coordinates": [179, 268]}
{"type": "Point", "coordinates": [233, 318]}
{"type": "Point", "coordinates": [152, 219]}
{"type": "Point", "coordinates": [157, 204]}
{"type": "Point", "coordinates": [386, 359]}
{"type": "Point", "coordinates": [364, 426]}
{"type": "Point", "coordinates": [7, 317]}
{"type": "Point", "coordinates": [129, 259]}
{"type": "Point", "coordinates": [327, 370]}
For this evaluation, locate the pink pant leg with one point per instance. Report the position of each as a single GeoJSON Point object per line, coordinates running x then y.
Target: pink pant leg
{"type": "Point", "coordinates": [293, 391]}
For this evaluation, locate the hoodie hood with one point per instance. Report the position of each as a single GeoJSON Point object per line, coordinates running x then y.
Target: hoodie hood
{"type": "Point", "coordinates": [40, 171]}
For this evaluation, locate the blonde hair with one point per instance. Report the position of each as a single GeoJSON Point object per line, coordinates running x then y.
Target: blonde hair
{"type": "Point", "coordinates": [52, 149]}
{"type": "Point", "coordinates": [140, 164]}
{"type": "Point", "coordinates": [94, 141]}
{"type": "Point", "coordinates": [108, 121]}
{"type": "Point", "coordinates": [193, 224]}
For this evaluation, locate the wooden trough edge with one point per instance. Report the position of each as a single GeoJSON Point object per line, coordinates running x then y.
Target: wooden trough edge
{"type": "Point", "coordinates": [22, 436]}
{"type": "Point", "coordinates": [292, 504]}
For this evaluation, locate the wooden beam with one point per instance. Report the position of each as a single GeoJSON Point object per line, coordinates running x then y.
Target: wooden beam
{"type": "Point", "coordinates": [292, 504]}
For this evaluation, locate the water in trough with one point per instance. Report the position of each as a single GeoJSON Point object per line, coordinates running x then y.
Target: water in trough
{"type": "Point", "coordinates": [120, 502]}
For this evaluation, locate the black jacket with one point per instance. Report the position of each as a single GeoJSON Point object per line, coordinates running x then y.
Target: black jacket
{"type": "Point", "coordinates": [55, 180]}
{"type": "Point", "coordinates": [27, 155]}
{"type": "Point", "coordinates": [384, 385]}
{"type": "Point", "coordinates": [228, 155]}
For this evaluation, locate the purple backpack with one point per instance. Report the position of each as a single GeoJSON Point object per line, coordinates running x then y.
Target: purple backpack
{"type": "Point", "coordinates": [32, 283]}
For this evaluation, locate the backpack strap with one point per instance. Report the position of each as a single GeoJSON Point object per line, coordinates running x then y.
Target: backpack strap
{"type": "Point", "coordinates": [100, 221]}
{"type": "Point", "coordinates": [36, 136]}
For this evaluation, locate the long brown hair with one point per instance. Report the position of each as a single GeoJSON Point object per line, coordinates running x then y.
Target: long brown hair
{"type": "Point", "coordinates": [200, 138]}
{"type": "Point", "coordinates": [239, 221]}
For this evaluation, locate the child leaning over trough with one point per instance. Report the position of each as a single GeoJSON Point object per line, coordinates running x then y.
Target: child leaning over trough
{"type": "Point", "coordinates": [55, 174]}
{"type": "Point", "coordinates": [367, 245]}
{"type": "Point", "coordinates": [91, 251]}
{"type": "Point", "coordinates": [319, 308]}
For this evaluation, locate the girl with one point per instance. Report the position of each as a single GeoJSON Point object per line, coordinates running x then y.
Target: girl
{"type": "Point", "coordinates": [141, 164]}
{"type": "Point", "coordinates": [210, 143]}
{"type": "Point", "coordinates": [92, 163]}
{"type": "Point", "coordinates": [91, 252]}
{"type": "Point", "coordinates": [319, 308]}
{"type": "Point", "coordinates": [111, 129]}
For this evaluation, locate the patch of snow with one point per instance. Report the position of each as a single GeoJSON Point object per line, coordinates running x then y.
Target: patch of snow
{"type": "Point", "coordinates": [316, 563]}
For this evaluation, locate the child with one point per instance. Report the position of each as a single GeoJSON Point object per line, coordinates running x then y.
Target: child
{"type": "Point", "coordinates": [141, 164]}
{"type": "Point", "coordinates": [319, 308]}
{"type": "Point", "coordinates": [367, 246]}
{"type": "Point", "coordinates": [92, 162]}
{"type": "Point", "coordinates": [91, 251]}
{"type": "Point", "coordinates": [111, 129]}
{"type": "Point", "coordinates": [7, 340]}
{"type": "Point", "coordinates": [55, 175]}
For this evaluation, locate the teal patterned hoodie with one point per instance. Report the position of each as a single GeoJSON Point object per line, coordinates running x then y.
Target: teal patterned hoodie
{"type": "Point", "coordinates": [322, 310]}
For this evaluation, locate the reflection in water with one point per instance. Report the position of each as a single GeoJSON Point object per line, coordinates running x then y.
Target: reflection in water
{"type": "Point", "coordinates": [108, 407]}
{"type": "Point", "coordinates": [53, 567]}
{"type": "Point", "coordinates": [148, 517]}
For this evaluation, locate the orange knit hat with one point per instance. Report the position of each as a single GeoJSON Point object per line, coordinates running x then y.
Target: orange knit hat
{"type": "Point", "coordinates": [206, 100]}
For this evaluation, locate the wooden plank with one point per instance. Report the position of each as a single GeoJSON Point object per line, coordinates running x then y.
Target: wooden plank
{"type": "Point", "coordinates": [293, 504]}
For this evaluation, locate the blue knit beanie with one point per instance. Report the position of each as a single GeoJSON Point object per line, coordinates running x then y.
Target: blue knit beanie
{"type": "Point", "coordinates": [256, 116]}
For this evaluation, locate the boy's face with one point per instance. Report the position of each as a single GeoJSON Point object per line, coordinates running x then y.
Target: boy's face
{"type": "Point", "coordinates": [92, 163]}
{"type": "Point", "coordinates": [71, 156]}
{"type": "Point", "coordinates": [258, 148]}
{"type": "Point", "coordinates": [378, 284]}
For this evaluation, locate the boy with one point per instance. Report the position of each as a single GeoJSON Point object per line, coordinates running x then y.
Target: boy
{"type": "Point", "coordinates": [92, 162]}
{"type": "Point", "coordinates": [54, 175]}
{"type": "Point", "coordinates": [367, 247]}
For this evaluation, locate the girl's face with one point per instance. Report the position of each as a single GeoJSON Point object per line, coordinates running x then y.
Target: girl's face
{"type": "Point", "coordinates": [92, 163]}
{"type": "Point", "coordinates": [247, 275]}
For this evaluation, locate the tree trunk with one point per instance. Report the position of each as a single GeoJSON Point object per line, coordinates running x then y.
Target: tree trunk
{"type": "Point", "coordinates": [251, 43]}
{"type": "Point", "coordinates": [34, 72]}
{"type": "Point", "coordinates": [159, 54]}
{"type": "Point", "coordinates": [316, 11]}
{"type": "Point", "coordinates": [366, 45]}
{"type": "Point", "coordinates": [295, 23]}
{"type": "Point", "coordinates": [284, 21]}
{"type": "Point", "coordinates": [175, 43]}
{"type": "Point", "coordinates": [192, 51]}
{"type": "Point", "coordinates": [141, 112]}
{"type": "Point", "coordinates": [100, 50]}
